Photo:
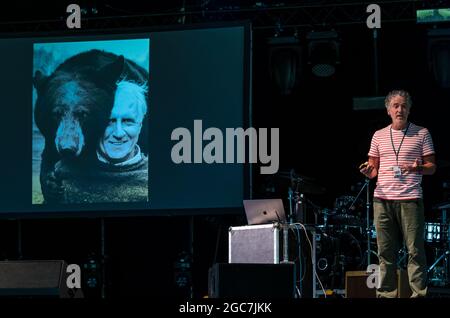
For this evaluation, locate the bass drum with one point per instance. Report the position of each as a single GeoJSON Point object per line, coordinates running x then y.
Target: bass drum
{"type": "Point", "coordinates": [337, 253]}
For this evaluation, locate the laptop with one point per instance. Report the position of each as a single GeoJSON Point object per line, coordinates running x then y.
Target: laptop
{"type": "Point", "coordinates": [264, 211]}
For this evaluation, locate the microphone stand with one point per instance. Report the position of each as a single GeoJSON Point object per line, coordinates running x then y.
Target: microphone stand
{"type": "Point", "coordinates": [297, 213]}
{"type": "Point", "coordinates": [290, 198]}
{"type": "Point", "coordinates": [299, 200]}
{"type": "Point", "coordinates": [286, 226]}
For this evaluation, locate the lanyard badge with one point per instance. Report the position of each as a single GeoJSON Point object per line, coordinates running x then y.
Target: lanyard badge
{"type": "Point", "coordinates": [396, 169]}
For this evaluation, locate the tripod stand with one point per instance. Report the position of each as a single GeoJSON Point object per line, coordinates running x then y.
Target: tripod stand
{"type": "Point", "coordinates": [369, 250]}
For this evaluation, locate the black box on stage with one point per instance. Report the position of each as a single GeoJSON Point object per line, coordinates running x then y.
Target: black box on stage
{"type": "Point", "coordinates": [42, 279]}
{"type": "Point", "coordinates": [264, 244]}
{"type": "Point", "coordinates": [252, 280]}
{"type": "Point", "coordinates": [356, 285]}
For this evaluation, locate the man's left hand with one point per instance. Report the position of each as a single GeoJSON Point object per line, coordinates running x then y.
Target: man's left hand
{"type": "Point", "coordinates": [415, 167]}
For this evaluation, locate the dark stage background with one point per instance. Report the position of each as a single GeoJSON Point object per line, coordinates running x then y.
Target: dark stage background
{"type": "Point", "coordinates": [321, 137]}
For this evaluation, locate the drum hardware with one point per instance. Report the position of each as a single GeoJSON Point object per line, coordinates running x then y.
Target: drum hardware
{"type": "Point", "coordinates": [441, 233]}
{"type": "Point", "coordinates": [402, 257]}
{"type": "Point", "coordinates": [441, 272]}
{"type": "Point", "coordinates": [340, 247]}
{"type": "Point", "coordinates": [337, 252]}
{"type": "Point", "coordinates": [322, 264]}
{"type": "Point", "coordinates": [296, 203]}
{"type": "Point", "coordinates": [438, 276]}
{"type": "Point", "coordinates": [369, 250]}
{"type": "Point", "coordinates": [300, 186]}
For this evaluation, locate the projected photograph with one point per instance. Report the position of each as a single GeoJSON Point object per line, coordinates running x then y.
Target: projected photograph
{"type": "Point", "coordinates": [90, 122]}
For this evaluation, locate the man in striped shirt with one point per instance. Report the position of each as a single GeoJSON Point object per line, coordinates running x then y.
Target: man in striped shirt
{"type": "Point", "coordinates": [399, 155]}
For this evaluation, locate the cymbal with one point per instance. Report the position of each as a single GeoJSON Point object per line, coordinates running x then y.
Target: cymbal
{"type": "Point", "coordinates": [310, 188]}
{"type": "Point", "coordinates": [288, 174]}
{"type": "Point", "coordinates": [442, 206]}
{"type": "Point", "coordinates": [305, 184]}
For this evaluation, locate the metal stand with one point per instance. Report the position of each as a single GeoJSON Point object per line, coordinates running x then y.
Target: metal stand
{"type": "Point", "coordinates": [368, 227]}
{"type": "Point", "coordinates": [290, 199]}
{"type": "Point", "coordinates": [295, 215]}
{"type": "Point", "coordinates": [446, 254]}
{"type": "Point", "coordinates": [285, 243]}
{"type": "Point", "coordinates": [296, 205]}
{"type": "Point", "coordinates": [402, 256]}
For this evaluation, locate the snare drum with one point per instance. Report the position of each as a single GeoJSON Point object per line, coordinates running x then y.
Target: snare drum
{"type": "Point", "coordinates": [435, 232]}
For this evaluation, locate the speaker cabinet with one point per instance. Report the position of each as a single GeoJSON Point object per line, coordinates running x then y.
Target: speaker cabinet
{"type": "Point", "coordinates": [356, 285]}
{"type": "Point", "coordinates": [29, 279]}
{"type": "Point", "coordinates": [252, 280]}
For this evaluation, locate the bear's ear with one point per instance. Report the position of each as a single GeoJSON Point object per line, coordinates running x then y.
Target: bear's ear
{"type": "Point", "coordinates": [39, 80]}
{"type": "Point", "coordinates": [110, 73]}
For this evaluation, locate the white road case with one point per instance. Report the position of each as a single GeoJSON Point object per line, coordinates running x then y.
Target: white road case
{"type": "Point", "coordinates": [257, 244]}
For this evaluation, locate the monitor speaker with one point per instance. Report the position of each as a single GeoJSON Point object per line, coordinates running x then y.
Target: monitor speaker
{"type": "Point", "coordinates": [252, 280]}
{"type": "Point", "coordinates": [41, 279]}
{"type": "Point", "coordinates": [356, 285]}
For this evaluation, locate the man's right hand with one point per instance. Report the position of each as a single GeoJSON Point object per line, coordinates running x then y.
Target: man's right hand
{"type": "Point", "coordinates": [366, 169]}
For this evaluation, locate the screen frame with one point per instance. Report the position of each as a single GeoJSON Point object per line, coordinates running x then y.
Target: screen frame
{"type": "Point", "coordinates": [138, 211]}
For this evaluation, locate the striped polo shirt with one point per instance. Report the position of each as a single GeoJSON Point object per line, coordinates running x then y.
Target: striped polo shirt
{"type": "Point", "coordinates": [416, 143]}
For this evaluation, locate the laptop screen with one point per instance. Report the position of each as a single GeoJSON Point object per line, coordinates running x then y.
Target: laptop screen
{"type": "Point", "coordinates": [264, 211]}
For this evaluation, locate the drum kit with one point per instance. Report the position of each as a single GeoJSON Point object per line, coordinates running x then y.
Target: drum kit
{"type": "Point", "coordinates": [346, 237]}
{"type": "Point", "coordinates": [346, 241]}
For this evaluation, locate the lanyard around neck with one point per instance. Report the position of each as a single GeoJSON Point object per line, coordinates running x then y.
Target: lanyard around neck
{"type": "Point", "coordinates": [397, 152]}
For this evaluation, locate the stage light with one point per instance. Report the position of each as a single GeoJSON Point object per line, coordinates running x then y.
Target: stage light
{"type": "Point", "coordinates": [284, 62]}
{"type": "Point", "coordinates": [433, 15]}
{"type": "Point", "coordinates": [323, 53]}
{"type": "Point", "coordinates": [439, 56]}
